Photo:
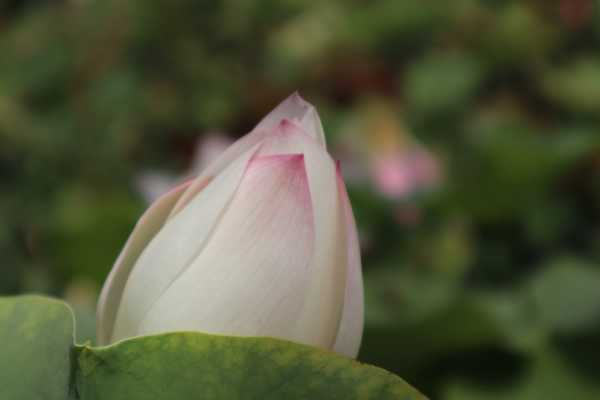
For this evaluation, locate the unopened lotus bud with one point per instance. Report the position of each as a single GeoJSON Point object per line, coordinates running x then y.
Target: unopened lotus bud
{"type": "Point", "coordinates": [262, 243]}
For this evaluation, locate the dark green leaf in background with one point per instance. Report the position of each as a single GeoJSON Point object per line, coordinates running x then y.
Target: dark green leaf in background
{"type": "Point", "coordinates": [568, 297]}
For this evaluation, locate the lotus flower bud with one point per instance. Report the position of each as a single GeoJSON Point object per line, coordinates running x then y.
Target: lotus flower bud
{"type": "Point", "coordinates": [262, 243]}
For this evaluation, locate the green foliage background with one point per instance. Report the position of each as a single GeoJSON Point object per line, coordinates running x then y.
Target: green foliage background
{"type": "Point", "coordinates": [492, 294]}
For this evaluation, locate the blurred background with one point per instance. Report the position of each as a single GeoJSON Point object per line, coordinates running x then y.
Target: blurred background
{"type": "Point", "coordinates": [469, 135]}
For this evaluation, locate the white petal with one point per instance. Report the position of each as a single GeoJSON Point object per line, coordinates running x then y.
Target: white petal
{"type": "Point", "coordinates": [174, 248]}
{"type": "Point", "coordinates": [294, 108]}
{"type": "Point", "coordinates": [252, 277]}
{"type": "Point", "coordinates": [323, 309]}
{"type": "Point", "coordinates": [148, 225]}
{"type": "Point", "coordinates": [351, 327]}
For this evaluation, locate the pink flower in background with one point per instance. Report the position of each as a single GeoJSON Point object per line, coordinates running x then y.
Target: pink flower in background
{"type": "Point", "coordinates": [262, 242]}
{"type": "Point", "coordinates": [393, 176]}
{"type": "Point", "coordinates": [404, 173]}
{"type": "Point", "coordinates": [378, 151]}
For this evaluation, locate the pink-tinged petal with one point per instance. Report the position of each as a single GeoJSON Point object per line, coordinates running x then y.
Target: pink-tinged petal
{"type": "Point", "coordinates": [299, 111]}
{"type": "Point", "coordinates": [351, 327]}
{"type": "Point", "coordinates": [323, 308]}
{"type": "Point", "coordinates": [148, 225]}
{"type": "Point", "coordinates": [176, 246]}
{"type": "Point", "coordinates": [252, 277]}
{"type": "Point", "coordinates": [289, 138]}
{"type": "Point", "coordinates": [294, 108]}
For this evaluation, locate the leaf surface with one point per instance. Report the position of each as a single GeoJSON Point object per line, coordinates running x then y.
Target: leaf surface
{"type": "Point", "coordinates": [200, 366]}
{"type": "Point", "coordinates": [36, 339]}
{"type": "Point", "coordinates": [39, 361]}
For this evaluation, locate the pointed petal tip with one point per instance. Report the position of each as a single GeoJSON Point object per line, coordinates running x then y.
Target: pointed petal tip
{"type": "Point", "coordinates": [297, 98]}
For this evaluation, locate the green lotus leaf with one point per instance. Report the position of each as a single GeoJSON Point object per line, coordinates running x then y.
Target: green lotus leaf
{"type": "Point", "coordinates": [196, 365]}
{"type": "Point", "coordinates": [39, 361]}
{"type": "Point", "coordinates": [36, 341]}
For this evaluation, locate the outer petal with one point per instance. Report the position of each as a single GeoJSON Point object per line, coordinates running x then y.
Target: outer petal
{"type": "Point", "coordinates": [174, 248]}
{"type": "Point", "coordinates": [252, 277]}
{"type": "Point", "coordinates": [323, 308]}
{"type": "Point", "coordinates": [148, 225]}
{"type": "Point", "coordinates": [351, 327]}
{"type": "Point", "coordinates": [294, 108]}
